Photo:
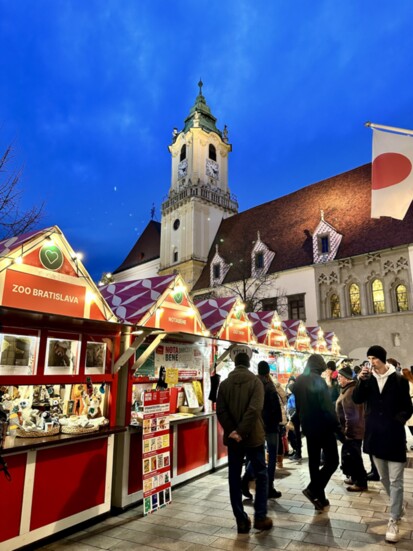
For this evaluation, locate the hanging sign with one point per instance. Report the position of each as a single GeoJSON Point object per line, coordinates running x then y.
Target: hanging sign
{"type": "Point", "coordinates": [156, 458]}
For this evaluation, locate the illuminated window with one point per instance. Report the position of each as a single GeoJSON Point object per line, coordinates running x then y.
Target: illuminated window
{"type": "Point", "coordinates": [354, 292]}
{"type": "Point", "coordinates": [183, 153]}
{"type": "Point", "coordinates": [378, 296]}
{"type": "Point", "coordinates": [212, 152]}
{"type": "Point", "coordinates": [335, 306]}
{"type": "Point", "coordinates": [296, 307]}
{"type": "Point", "coordinates": [401, 298]}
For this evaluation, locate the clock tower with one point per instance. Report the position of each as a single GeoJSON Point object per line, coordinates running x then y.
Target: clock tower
{"type": "Point", "coordinates": [199, 197]}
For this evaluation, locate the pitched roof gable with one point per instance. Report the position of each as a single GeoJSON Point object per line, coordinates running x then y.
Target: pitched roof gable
{"type": "Point", "coordinates": [146, 248]}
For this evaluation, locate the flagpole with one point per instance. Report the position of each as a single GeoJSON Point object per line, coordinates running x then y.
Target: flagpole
{"type": "Point", "coordinates": [389, 128]}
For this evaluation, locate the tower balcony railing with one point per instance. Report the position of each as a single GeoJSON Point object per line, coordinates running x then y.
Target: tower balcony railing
{"type": "Point", "coordinates": [206, 192]}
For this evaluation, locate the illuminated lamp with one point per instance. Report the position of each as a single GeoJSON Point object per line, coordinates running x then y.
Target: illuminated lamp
{"type": "Point", "coordinates": [77, 256]}
{"type": "Point", "coordinates": [18, 260]}
{"type": "Point", "coordinates": [90, 297]}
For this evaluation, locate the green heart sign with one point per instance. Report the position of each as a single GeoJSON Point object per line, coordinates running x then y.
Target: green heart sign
{"type": "Point", "coordinates": [51, 257]}
{"type": "Point", "coordinates": [178, 297]}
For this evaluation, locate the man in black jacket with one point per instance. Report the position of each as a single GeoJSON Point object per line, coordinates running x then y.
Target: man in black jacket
{"type": "Point", "coordinates": [272, 417]}
{"type": "Point", "coordinates": [385, 394]}
{"type": "Point", "coordinates": [239, 411]}
{"type": "Point", "coordinates": [320, 425]}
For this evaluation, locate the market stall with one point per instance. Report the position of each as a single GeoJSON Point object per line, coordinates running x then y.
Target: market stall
{"type": "Point", "coordinates": [332, 343]}
{"type": "Point", "coordinates": [177, 356]}
{"type": "Point", "coordinates": [317, 339]}
{"type": "Point", "coordinates": [58, 342]}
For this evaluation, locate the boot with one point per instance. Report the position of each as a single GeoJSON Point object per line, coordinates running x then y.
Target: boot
{"type": "Point", "coordinates": [273, 493]}
{"type": "Point", "coordinates": [245, 486]}
{"type": "Point", "coordinates": [280, 461]}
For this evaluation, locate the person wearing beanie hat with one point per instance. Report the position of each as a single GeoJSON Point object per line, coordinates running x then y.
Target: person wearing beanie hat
{"type": "Point", "coordinates": [239, 410]}
{"type": "Point", "coordinates": [351, 419]}
{"type": "Point", "coordinates": [272, 418]}
{"type": "Point", "coordinates": [385, 394]}
{"type": "Point", "coordinates": [319, 422]}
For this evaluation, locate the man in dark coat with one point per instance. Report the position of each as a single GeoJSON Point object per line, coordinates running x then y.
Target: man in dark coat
{"type": "Point", "coordinates": [351, 419]}
{"type": "Point", "coordinates": [272, 417]}
{"type": "Point", "coordinates": [319, 423]}
{"type": "Point", "coordinates": [239, 411]}
{"type": "Point", "coordinates": [385, 394]}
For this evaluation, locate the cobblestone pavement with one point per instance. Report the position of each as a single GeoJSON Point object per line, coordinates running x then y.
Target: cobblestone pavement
{"type": "Point", "coordinates": [200, 519]}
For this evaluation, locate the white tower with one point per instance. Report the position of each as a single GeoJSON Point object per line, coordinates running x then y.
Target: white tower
{"type": "Point", "coordinates": [199, 197]}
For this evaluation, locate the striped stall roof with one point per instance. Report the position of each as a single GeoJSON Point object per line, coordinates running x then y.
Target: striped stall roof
{"type": "Point", "coordinates": [130, 300]}
{"type": "Point", "coordinates": [297, 335]}
{"type": "Point", "coordinates": [12, 243]}
{"type": "Point", "coordinates": [215, 311]}
{"type": "Point", "coordinates": [317, 340]}
{"type": "Point", "coordinates": [261, 324]}
{"type": "Point", "coordinates": [332, 343]}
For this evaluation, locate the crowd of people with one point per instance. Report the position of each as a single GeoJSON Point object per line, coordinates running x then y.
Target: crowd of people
{"type": "Point", "coordinates": [364, 408]}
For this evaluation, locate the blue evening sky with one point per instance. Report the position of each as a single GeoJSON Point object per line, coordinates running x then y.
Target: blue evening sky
{"type": "Point", "coordinates": [91, 90]}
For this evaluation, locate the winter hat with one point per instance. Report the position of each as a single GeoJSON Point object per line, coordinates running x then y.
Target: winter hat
{"type": "Point", "coordinates": [242, 359]}
{"type": "Point", "coordinates": [378, 352]}
{"type": "Point", "coordinates": [346, 372]}
{"type": "Point", "coordinates": [263, 368]}
{"type": "Point", "coordinates": [316, 363]}
{"type": "Point", "coordinates": [331, 365]}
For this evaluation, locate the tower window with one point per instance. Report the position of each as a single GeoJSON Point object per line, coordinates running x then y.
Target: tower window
{"type": "Point", "coordinates": [217, 271]}
{"type": "Point", "coordinates": [324, 244]}
{"type": "Point", "coordinates": [183, 153]}
{"type": "Point", "coordinates": [176, 224]}
{"type": "Point", "coordinates": [354, 292]}
{"type": "Point", "coordinates": [335, 306]}
{"type": "Point", "coordinates": [378, 296]}
{"type": "Point", "coordinates": [212, 152]}
{"type": "Point", "coordinates": [175, 256]}
{"type": "Point", "coordinates": [259, 261]}
{"type": "Point", "coordinates": [401, 298]}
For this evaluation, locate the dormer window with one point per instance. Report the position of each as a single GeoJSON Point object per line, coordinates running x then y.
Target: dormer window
{"type": "Point", "coordinates": [259, 261]}
{"type": "Point", "coordinates": [183, 153]}
{"type": "Point", "coordinates": [212, 154]}
{"type": "Point", "coordinates": [324, 246]}
{"type": "Point", "coordinates": [216, 269]}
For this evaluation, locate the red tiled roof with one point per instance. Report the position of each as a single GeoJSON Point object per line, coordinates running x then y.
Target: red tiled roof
{"type": "Point", "coordinates": [146, 248]}
{"type": "Point", "coordinates": [286, 225]}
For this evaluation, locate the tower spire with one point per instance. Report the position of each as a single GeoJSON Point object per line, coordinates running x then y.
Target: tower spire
{"type": "Point", "coordinates": [200, 84]}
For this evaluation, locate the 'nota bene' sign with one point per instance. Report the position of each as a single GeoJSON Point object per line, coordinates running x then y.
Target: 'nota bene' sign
{"type": "Point", "coordinates": [40, 294]}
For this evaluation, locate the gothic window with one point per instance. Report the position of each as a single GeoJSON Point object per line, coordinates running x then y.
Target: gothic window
{"type": "Point", "coordinates": [296, 307]}
{"type": "Point", "coordinates": [212, 154]}
{"type": "Point", "coordinates": [401, 298]}
{"type": "Point", "coordinates": [259, 260]}
{"type": "Point", "coordinates": [335, 306]}
{"type": "Point", "coordinates": [175, 256]}
{"type": "Point", "coordinates": [354, 295]}
{"type": "Point", "coordinates": [216, 271]}
{"type": "Point", "coordinates": [378, 296]}
{"type": "Point", "coordinates": [183, 153]}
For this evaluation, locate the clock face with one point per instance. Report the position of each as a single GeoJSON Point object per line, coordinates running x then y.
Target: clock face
{"type": "Point", "coordinates": [212, 169]}
{"type": "Point", "coordinates": [182, 168]}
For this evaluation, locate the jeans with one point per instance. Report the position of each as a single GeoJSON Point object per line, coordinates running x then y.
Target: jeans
{"type": "Point", "coordinates": [352, 459]}
{"type": "Point", "coordinates": [391, 475]}
{"type": "Point", "coordinates": [319, 478]}
{"type": "Point", "coordinates": [256, 456]}
{"type": "Point", "coordinates": [271, 439]}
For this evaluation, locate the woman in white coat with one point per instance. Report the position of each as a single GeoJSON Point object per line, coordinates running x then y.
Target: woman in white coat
{"type": "Point", "coordinates": [408, 374]}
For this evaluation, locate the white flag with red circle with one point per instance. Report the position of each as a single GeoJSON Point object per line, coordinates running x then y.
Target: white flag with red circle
{"type": "Point", "coordinates": [392, 174]}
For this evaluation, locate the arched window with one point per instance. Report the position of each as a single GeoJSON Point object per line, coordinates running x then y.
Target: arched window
{"type": "Point", "coordinates": [335, 306]}
{"type": "Point", "coordinates": [378, 296]}
{"type": "Point", "coordinates": [212, 152]}
{"type": "Point", "coordinates": [354, 293]}
{"type": "Point", "coordinates": [401, 298]}
{"type": "Point", "coordinates": [175, 256]}
{"type": "Point", "coordinates": [183, 153]}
